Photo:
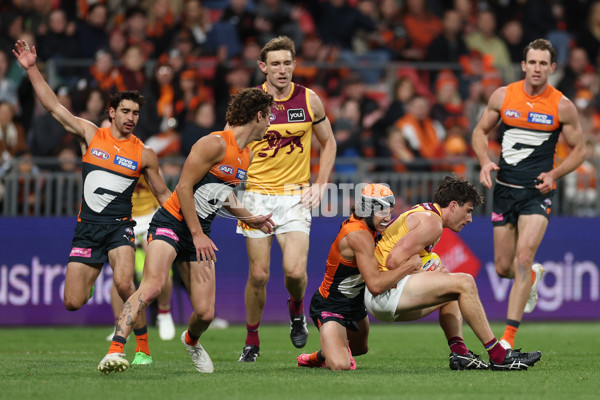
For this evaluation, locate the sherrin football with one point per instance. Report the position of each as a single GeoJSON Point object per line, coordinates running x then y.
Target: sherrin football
{"type": "Point", "coordinates": [431, 262]}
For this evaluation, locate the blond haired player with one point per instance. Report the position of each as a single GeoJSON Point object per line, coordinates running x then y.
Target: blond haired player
{"type": "Point", "coordinates": [337, 307]}
{"type": "Point", "coordinates": [533, 114]}
{"type": "Point", "coordinates": [278, 183]}
{"type": "Point", "coordinates": [420, 293]}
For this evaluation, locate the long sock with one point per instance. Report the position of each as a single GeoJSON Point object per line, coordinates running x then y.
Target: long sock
{"type": "Point", "coordinates": [164, 310]}
{"type": "Point", "coordinates": [495, 350]}
{"type": "Point", "coordinates": [191, 339]}
{"type": "Point", "coordinates": [296, 307]}
{"type": "Point", "coordinates": [117, 344]}
{"type": "Point", "coordinates": [252, 335]}
{"type": "Point", "coordinates": [510, 331]}
{"type": "Point", "coordinates": [457, 345]}
{"type": "Point", "coordinates": [316, 357]}
{"type": "Point", "coordinates": [141, 340]}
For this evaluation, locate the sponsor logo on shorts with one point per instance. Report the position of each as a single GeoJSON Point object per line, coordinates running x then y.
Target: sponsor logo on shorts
{"type": "Point", "coordinates": [512, 113]}
{"type": "Point", "coordinates": [538, 118]}
{"type": "Point", "coordinates": [79, 252]}
{"type": "Point", "coordinates": [168, 233]}
{"type": "Point", "coordinates": [226, 169]}
{"type": "Point", "coordinates": [296, 115]}
{"type": "Point", "coordinates": [497, 217]}
{"type": "Point", "coordinates": [126, 163]}
{"type": "Point", "coordinates": [101, 154]}
{"type": "Point", "coordinates": [241, 174]}
{"type": "Point", "coordinates": [327, 314]}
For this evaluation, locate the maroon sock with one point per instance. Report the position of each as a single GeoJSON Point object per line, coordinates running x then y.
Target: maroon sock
{"type": "Point", "coordinates": [163, 311]}
{"type": "Point", "coordinates": [296, 307]}
{"type": "Point", "coordinates": [457, 345]}
{"type": "Point", "coordinates": [495, 350]}
{"type": "Point", "coordinates": [252, 335]}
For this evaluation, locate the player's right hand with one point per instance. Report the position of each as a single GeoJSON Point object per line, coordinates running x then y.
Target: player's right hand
{"type": "Point", "coordinates": [25, 55]}
{"type": "Point", "coordinates": [205, 249]}
{"type": "Point", "coordinates": [485, 176]}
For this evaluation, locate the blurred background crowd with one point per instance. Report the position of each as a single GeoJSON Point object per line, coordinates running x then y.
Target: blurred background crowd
{"type": "Point", "coordinates": [401, 80]}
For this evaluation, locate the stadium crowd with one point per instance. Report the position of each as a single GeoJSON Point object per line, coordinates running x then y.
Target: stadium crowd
{"type": "Point", "coordinates": [400, 79]}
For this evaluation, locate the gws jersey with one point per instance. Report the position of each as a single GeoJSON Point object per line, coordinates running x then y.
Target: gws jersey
{"type": "Point", "coordinates": [343, 283]}
{"type": "Point", "coordinates": [397, 229]}
{"type": "Point", "coordinates": [282, 158]}
{"type": "Point", "coordinates": [215, 187]}
{"type": "Point", "coordinates": [529, 130]}
{"type": "Point", "coordinates": [111, 169]}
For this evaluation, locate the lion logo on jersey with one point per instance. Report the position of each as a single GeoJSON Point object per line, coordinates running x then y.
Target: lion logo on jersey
{"type": "Point", "coordinates": [276, 142]}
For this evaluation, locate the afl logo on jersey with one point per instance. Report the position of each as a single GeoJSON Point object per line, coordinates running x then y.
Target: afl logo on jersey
{"type": "Point", "coordinates": [296, 115]}
{"type": "Point", "coordinates": [227, 169]}
{"type": "Point", "coordinates": [512, 113]}
{"type": "Point", "coordinates": [99, 154]}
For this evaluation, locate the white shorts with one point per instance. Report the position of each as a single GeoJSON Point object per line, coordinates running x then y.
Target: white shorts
{"type": "Point", "coordinates": [142, 224]}
{"type": "Point", "coordinates": [383, 307]}
{"type": "Point", "coordinates": [288, 213]}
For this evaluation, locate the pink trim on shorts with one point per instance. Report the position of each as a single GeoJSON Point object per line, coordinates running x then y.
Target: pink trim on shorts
{"type": "Point", "coordinates": [327, 314]}
{"type": "Point", "coordinates": [80, 252]}
{"type": "Point", "coordinates": [497, 217]}
{"type": "Point", "coordinates": [168, 233]}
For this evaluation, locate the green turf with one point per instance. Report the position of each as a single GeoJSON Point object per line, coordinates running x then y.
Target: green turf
{"type": "Point", "coordinates": [405, 361]}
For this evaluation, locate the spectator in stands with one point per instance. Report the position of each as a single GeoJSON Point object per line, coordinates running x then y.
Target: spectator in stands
{"type": "Point", "coordinates": [422, 26]}
{"type": "Point", "coordinates": [577, 65]}
{"type": "Point", "coordinates": [117, 43]}
{"type": "Point", "coordinates": [135, 31]}
{"type": "Point", "coordinates": [512, 33]}
{"type": "Point", "coordinates": [160, 94]}
{"type": "Point", "coordinates": [160, 24]}
{"type": "Point", "coordinates": [132, 68]}
{"type": "Point", "coordinates": [485, 40]}
{"type": "Point", "coordinates": [202, 123]}
{"type": "Point", "coordinates": [397, 150]}
{"type": "Point", "coordinates": [189, 93]}
{"type": "Point", "coordinates": [449, 107]}
{"type": "Point", "coordinates": [13, 139]}
{"type": "Point", "coordinates": [391, 34]}
{"type": "Point", "coordinates": [239, 14]}
{"type": "Point", "coordinates": [8, 88]}
{"type": "Point", "coordinates": [103, 74]}
{"type": "Point", "coordinates": [47, 135]}
{"type": "Point", "coordinates": [95, 102]}
{"type": "Point", "coordinates": [91, 31]}
{"type": "Point", "coordinates": [423, 134]}
{"type": "Point", "coordinates": [197, 23]}
{"type": "Point", "coordinates": [449, 45]}
{"type": "Point", "coordinates": [275, 18]}
{"type": "Point", "coordinates": [59, 42]}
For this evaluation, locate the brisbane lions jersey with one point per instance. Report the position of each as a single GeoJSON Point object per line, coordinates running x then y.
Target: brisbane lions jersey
{"type": "Point", "coordinates": [529, 132]}
{"type": "Point", "coordinates": [111, 169]}
{"type": "Point", "coordinates": [216, 186]}
{"type": "Point", "coordinates": [398, 228]}
{"type": "Point", "coordinates": [282, 158]}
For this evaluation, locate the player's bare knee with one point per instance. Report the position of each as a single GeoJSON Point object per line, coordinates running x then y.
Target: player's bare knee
{"type": "Point", "coordinates": [467, 283]}
{"type": "Point", "coordinates": [71, 305]}
{"type": "Point", "coordinates": [125, 289]}
{"type": "Point", "coordinates": [204, 314]}
{"type": "Point", "coordinates": [258, 279]}
{"type": "Point", "coordinates": [503, 269]}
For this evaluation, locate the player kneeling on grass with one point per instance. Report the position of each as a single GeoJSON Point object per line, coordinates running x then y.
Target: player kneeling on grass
{"type": "Point", "coordinates": [180, 230]}
{"type": "Point", "coordinates": [337, 307]}
{"type": "Point", "coordinates": [419, 293]}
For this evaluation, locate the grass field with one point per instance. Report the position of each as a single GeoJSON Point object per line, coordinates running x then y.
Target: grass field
{"type": "Point", "coordinates": [408, 361]}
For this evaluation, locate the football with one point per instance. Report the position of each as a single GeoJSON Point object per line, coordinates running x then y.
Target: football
{"type": "Point", "coordinates": [431, 262]}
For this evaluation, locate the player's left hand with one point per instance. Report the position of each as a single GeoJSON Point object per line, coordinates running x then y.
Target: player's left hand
{"type": "Point", "coordinates": [262, 222]}
{"type": "Point", "coordinates": [311, 196]}
{"type": "Point", "coordinates": [545, 182]}
{"type": "Point", "coordinates": [25, 55]}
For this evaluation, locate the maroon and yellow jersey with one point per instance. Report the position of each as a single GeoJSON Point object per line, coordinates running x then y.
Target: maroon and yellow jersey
{"type": "Point", "coordinates": [215, 187]}
{"type": "Point", "coordinates": [282, 159]}
{"type": "Point", "coordinates": [342, 282]}
{"type": "Point", "coordinates": [529, 132]}
{"type": "Point", "coordinates": [397, 229]}
{"type": "Point", "coordinates": [111, 169]}
{"type": "Point", "coordinates": [143, 199]}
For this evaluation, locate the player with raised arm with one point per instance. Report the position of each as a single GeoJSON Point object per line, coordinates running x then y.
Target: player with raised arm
{"type": "Point", "coordinates": [532, 114]}
{"type": "Point", "coordinates": [179, 231]}
{"type": "Point", "coordinates": [114, 161]}
{"type": "Point", "coordinates": [419, 293]}
{"type": "Point", "coordinates": [278, 183]}
{"type": "Point", "coordinates": [337, 307]}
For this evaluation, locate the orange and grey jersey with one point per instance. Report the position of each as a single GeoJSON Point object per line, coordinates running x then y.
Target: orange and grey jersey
{"type": "Point", "coordinates": [215, 187]}
{"type": "Point", "coordinates": [529, 130]}
{"type": "Point", "coordinates": [282, 158]}
{"type": "Point", "coordinates": [398, 228]}
{"type": "Point", "coordinates": [111, 169]}
{"type": "Point", "coordinates": [342, 282]}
